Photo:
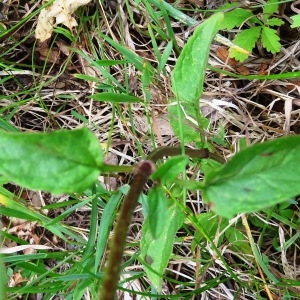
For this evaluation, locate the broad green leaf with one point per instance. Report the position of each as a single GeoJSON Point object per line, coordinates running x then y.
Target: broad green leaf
{"type": "Point", "coordinates": [296, 21]}
{"type": "Point", "coordinates": [255, 178]}
{"type": "Point", "coordinates": [246, 39]}
{"type": "Point", "coordinates": [270, 8]}
{"type": "Point", "coordinates": [274, 22]}
{"type": "Point", "coordinates": [270, 39]}
{"type": "Point", "coordinates": [189, 72]}
{"type": "Point", "coordinates": [59, 162]}
{"type": "Point", "coordinates": [158, 205]}
{"type": "Point", "coordinates": [170, 169]}
{"type": "Point", "coordinates": [115, 98]}
{"type": "Point", "coordinates": [235, 18]}
{"type": "Point", "coordinates": [191, 131]}
{"type": "Point", "coordinates": [156, 252]}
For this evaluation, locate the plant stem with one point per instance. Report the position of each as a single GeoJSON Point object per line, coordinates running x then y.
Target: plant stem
{"type": "Point", "coordinates": [143, 172]}
{"type": "Point", "coordinates": [106, 168]}
{"type": "Point", "coordinates": [162, 152]}
{"type": "Point", "coordinates": [111, 277]}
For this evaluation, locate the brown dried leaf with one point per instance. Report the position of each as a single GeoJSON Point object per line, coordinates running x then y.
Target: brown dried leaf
{"type": "Point", "coordinates": [60, 12]}
{"type": "Point", "coordinates": [16, 279]}
{"type": "Point", "coordinates": [263, 69]}
{"type": "Point", "coordinates": [223, 54]}
{"type": "Point", "coordinates": [243, 70]}
{"type": "Point", "coordinates": [63, 47]}
{"type": "Point", "coordinates": [49, 55]}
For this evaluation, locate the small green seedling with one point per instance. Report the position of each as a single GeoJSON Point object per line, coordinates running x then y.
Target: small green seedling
{"type": "Point", "coordinates": [260, 29]}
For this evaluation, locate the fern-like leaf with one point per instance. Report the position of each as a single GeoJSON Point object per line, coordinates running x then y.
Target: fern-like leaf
{"type": "Point", "coordinates": [274, 22]}
{"type": "Point", "coordinates": [235, 18]}
{"type": "Point", "coordinates": [296, 21]}
{"type": "Point", "coordinates": [269, 9]}
{"type": "Point", "coordinates": [245, 39]}
{"type": "Point", "coordinates": [270, 39]}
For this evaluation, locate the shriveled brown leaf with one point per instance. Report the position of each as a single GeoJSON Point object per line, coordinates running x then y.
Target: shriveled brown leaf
{"type": "Point", "coordinates": [60, 12]}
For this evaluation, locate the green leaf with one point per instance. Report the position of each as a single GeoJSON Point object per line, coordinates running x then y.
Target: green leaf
{"type": "Point", "coordinates": [87, 77]}
{"type": "Point", "coordinates": [235, 18]}
{"type": "Point", "coordinates": [247, 40]}
{"type": "Point", "coordinates": [228, 6]}
{"type": "Point", "coordinates": [269, 8]}
{"type": "Point", "coordinates": [189, 72]}
{"type": "Point", "coordinates": [211, 224]}
{"type": "Point", "coordinates": [7, 126]}
{"type": "Point", "coordinates": [255, 178]}
{"type": "Point", "coordinates": [219, 138]}
{"type": "Point", "coordinates": [165, 56]}
{"type": "Point", "coordinates": [274, 22]}
{"type": "Point", "coordinates": [156, 252]}
{"type": "Point", "coordinates": [296, 21]}
{"type": "Point", "coordinates": [170, 169]}
{"type": "Point", "coordinates": [60, 162]}
{"type": "Point", "coordinates": [115, 98]}
{"type": "Point", "coordinates": [237, 241]}
{"type": "Point", "coordinates": [108, 63]}
{"type": "Point", "coordinates": [270, 39]}
{"type": "Point", "coordinates": [107, 219]}
{"type": "Point", "coordinates": [191, 131]}
{"type": "Point", "coordinates": [158, 205]}
{"type": "Point", "coordinates": [129, 55]}
{"type": "Point", "coordinates": [11, 207]}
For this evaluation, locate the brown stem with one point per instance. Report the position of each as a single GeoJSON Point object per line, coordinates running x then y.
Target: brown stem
{"type": "Point", "coordinates": [111, 277]}
{"type": "Point", "coordinates": [162, 152]}
{"type": "Point", "coordinates": [144, 170]}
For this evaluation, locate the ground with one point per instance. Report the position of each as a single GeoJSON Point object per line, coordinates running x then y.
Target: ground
{"type": "Point", "coordinates": [46, 86]}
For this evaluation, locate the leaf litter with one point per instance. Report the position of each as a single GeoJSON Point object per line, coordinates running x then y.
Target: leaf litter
{"type": "Point", "coordinates": [59, 12]}
{"type": "Point", "coordinates": [250, 111]}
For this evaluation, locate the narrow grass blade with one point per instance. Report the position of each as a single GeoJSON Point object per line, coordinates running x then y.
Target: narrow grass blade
{"type": "Point", "coordinates": [7, 126]}
{"type": "Point", "coordinates": [287, 75]}
{"type": "Point", "coordinates": [130, 56]}
{"type": "Point", "coordinates": [13, 208]}
{"type": "Point", "coordinates": [107, 220]}
{"type": "Point", "coordinates": [165, 56]}
{"type": "Point", "coordinates": [115, 98]}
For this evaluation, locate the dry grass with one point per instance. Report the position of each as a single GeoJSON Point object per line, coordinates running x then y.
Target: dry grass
{"type": "Point", "coordinates": [39, 92]}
